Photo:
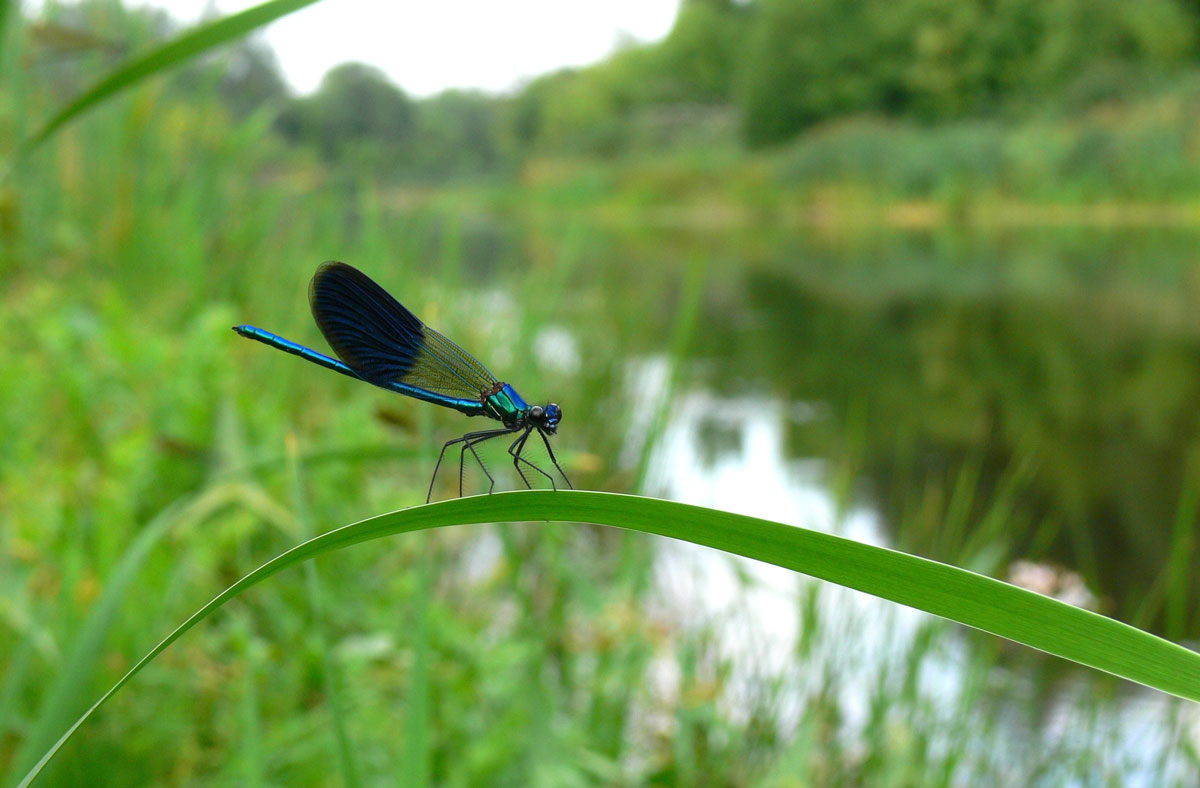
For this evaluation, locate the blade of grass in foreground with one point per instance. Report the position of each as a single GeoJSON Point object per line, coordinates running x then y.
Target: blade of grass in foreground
{"type": "Point", "coordinates": [316, 601]}
{"type": "Point", "coordinates": [175, 52]}
{"type": "Point", "coordinates": [6, 8]}
{"type": "Point", "coordinates": [977, 601]}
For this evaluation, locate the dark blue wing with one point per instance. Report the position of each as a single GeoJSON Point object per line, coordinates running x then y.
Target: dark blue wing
{"type": "Point", "coordinates": [384, 343]}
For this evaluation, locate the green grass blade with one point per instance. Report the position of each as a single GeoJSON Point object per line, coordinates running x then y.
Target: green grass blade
{"type": "Point", "coordinates": [1180, 558]}
{"type": "Point", "coordinates": [682, 332]}
{"type": "Point", "coordinates": [6, 9]}
{"type": "Point", "coordinates": [250, 723]}
{"type": "Point", "coordinates": [956, 594]}
{"type": "Point", "coordinates": [174, 53]}
{"type": "Point", "coordinates": [316, 601]}
{"type": "Point", "coordinates": [418, 765]}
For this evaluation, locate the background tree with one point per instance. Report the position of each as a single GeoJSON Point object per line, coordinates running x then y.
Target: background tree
{"type": "Point", "coordinates": [355, 105]}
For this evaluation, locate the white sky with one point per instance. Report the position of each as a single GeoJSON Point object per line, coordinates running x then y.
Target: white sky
{"type": "Point", "coordinates": [426, 47]}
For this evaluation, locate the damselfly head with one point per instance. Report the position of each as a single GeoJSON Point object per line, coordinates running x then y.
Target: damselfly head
{"type": "Point", "coordinates": [545, 418]}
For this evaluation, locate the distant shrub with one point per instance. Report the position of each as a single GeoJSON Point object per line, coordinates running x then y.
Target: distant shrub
{"type": "Point", "coordinates": [898, 157]}
{"type": "Point", "coordinates": [927, 59]}
{"type": "Point", "coordinates": [1142, 150]}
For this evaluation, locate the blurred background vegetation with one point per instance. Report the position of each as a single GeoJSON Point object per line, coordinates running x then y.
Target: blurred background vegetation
{"type": "Point", "coordinates": [919, 271]}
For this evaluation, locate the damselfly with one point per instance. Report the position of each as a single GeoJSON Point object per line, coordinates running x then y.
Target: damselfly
{"type": "Point", "coordinates": [381, 342]}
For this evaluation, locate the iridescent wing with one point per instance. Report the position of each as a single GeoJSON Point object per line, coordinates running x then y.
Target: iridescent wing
{"type": "Point", "coordinates": [384, 343]}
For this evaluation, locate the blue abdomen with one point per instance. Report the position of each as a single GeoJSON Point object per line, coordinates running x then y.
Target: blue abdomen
{"type": "Point", "coordinates": [470, 407]}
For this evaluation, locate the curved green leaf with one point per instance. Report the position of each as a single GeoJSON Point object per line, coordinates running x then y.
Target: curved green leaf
{"type": "Point", "coordinates": [175, 52]}
{"type": "Point", "coordinates": [968, 598]}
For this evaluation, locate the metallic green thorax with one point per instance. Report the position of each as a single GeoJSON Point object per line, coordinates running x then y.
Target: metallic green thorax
{"type": "Point", "coordinates": [505, 405]}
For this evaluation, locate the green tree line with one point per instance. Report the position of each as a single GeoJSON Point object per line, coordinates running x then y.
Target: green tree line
{"type": "Point", "coordinates": [769, 70]}
{"type": "Point", "coordinates": [754, 74]}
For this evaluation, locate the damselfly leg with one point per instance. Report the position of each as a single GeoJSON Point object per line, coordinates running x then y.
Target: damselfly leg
{"type": "Point", "coordinates": [515, 451]}
{"type": "Point", "coordinates": [554, 460]}
{"type": "Point", "coordinates": [469, 441]}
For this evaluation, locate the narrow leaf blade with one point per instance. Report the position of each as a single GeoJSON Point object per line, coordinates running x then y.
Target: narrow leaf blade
{"type": "Point", "coordinates": [173, 53]}
{"type": "Point", "coordinates": [977, 601]}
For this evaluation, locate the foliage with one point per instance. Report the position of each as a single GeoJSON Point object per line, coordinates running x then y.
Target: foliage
{"type": "Point", "coordinates": [1136, 149]}
{"type": "Point", "coordinates": [776, 68]}
{"type": "Point", "coordinates": [251, 78]}
{"type": "Point", "coordinates": [697, 61]}
{"type": "Point", "coordinates": [801, 66]}
{"type": "Point", "coordinates": [457, 133]}
{"type": "Point", "coordinates": [355, 107]}
{"type": "Point", "coordinates": [937, 60]}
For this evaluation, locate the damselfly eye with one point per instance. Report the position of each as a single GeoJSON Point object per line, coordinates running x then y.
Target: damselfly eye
{"type": "Point", "coordinates": [536, 412]}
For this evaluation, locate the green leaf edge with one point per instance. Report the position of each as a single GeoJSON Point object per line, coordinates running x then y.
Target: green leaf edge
{"type": "Point", "coordinates": [175, 52]}
{"type": "Point", "coordinates": [972, 599]}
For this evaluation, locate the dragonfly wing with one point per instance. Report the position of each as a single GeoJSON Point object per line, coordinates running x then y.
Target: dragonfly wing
{"type": "Point", "coordinates": [443, 363]}
{"type": "Point", "coordinates": [383, 342]}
